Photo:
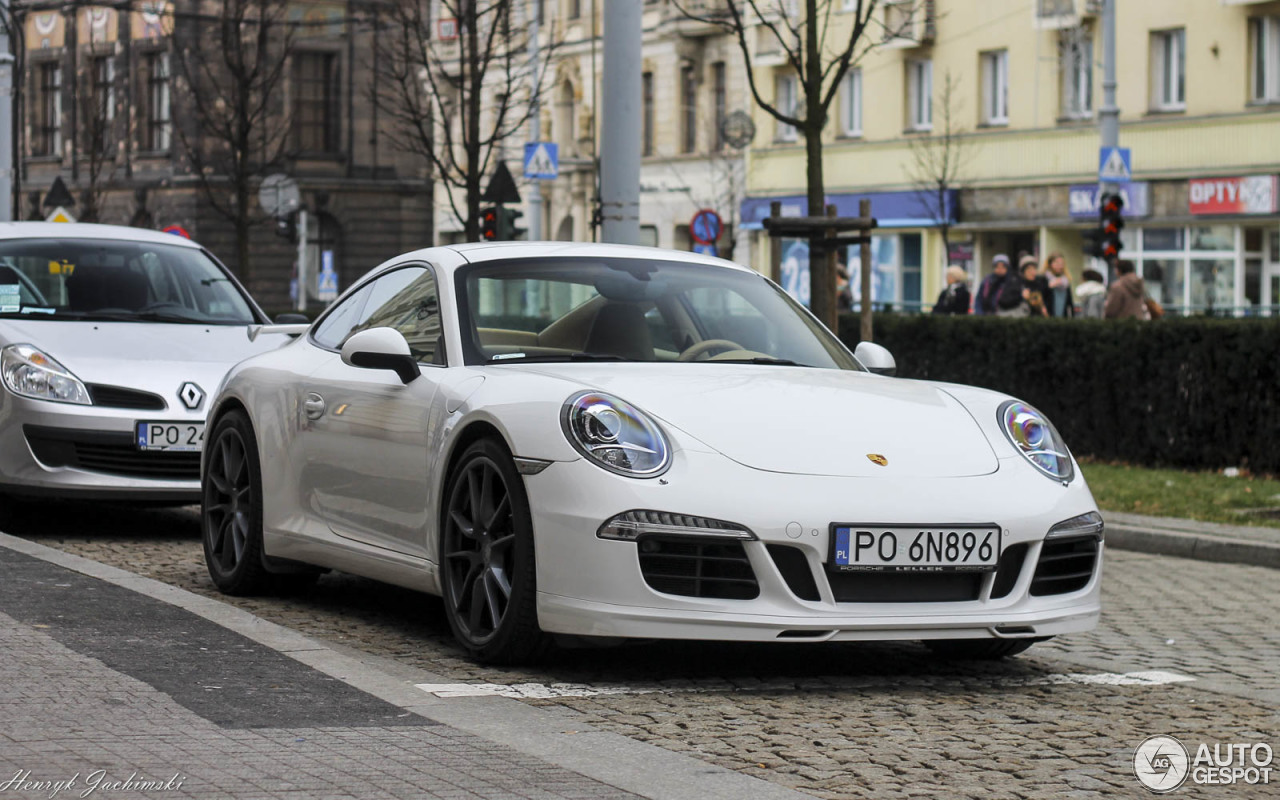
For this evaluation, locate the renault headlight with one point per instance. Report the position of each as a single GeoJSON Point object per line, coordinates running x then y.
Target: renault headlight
{"type": "Point", "coordinates": [615, 434]}
{"type": "Point", "coordinates": [1035, 437]}
{"type": "Point", "coordinates": [30, 373]}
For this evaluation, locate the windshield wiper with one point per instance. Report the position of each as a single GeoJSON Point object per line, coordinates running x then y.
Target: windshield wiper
{"type": "Point", "coordinates": [521, 358]}
{"type": "Point", "coordinates": [138, 316]}
{"type": "Point", "coordinates": [780, 362]}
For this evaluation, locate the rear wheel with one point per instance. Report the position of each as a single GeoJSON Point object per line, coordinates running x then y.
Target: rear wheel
{"type": "Point", "coordinates": [978, 649]}
{"type": "Point", "coordinates": [231, 509]}
{"type": "Point", "coordinates": [487, 558]}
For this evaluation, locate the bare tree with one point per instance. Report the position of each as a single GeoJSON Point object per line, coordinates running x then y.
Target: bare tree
{"type": "Point", "coordinates": [232, 123]}
{"type": "Point", "coordinates": [938, 161]}
{"type": "Point", "coordinates": [96, 98]}
{"type": "Point", "coordinates": [820, 60]}
{"type": "Point", "coordinates": [458, 101]}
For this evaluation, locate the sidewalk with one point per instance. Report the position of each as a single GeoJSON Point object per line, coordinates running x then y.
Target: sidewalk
{"type": "Point", "coordinates": [1205, 541]}
{"type": "Point", "coordinates": [124, 685]}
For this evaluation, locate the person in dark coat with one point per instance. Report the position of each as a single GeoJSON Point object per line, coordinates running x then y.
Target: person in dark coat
{"type": "Point", "coordinates": [955, 298]}
{"type": "Point", "coordinates": [1126, 296]}
{"type": "Point", "coordinates": [1057, 298]}
{"type": "Point", "coordinates": [989, 289]}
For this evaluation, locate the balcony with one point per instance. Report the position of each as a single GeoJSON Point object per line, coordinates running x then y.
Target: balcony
{"type": "Point", "coordinates": [1057, 14]}
{"type": "Point", "coordinates": [907, 23]}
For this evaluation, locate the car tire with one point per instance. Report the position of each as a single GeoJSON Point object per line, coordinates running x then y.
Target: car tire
{"type": "Point", "coordinates": [231, 509]}
{"type": "Point", "coordinates": [487, 572]}
{"type": "Point", "coordinates": [978, 649]}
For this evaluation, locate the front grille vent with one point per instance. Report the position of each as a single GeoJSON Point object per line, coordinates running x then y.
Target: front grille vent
{"type": "Point", "coordinates": [1065, 565]}
{"type": "Point", "coordinates": [120, 397]}
{"type": "Point", "coordinates": [697, 567]}
{"type": "Point", "coordinates": [795, 570]}
{"type": "Point", "coordinates": [110, 453]}
{"type": "Point", "coordinates": [905, 587]}
{"type": "Point", "coordinates": [1010, 567]}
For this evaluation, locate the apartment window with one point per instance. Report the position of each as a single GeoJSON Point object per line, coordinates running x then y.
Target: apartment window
{"type": "Point", "coordinates": [1265, 42]}
{"type": "Point", "coordinates": [1076, 65]}
{"type": "Point", "coordinates": [851, 103]}
{"type": "Point", "coordinates": [575, 9]}
{"type": "Point", "coordinates": [46, 107]}
{"type": "Point", "coordinates": [718, 100]}
{"type": "Point", "coordinates": [100, 111]}
{"type": "Point", "coordinates": [315, 105]}
{"type": "Point", "coordinates": [784, 99]}
{"type": "Point", "coordinates": [920, 95]}
{"type": "Point", "coordinates": [995, 87]}
{"type": "Point", "coordinates": [646, 140]}
{"type": "Point", "coordinates": [689, 103]}
{"type": "Point", "coordinates": [155, 97]}
{"type": "Point", "coordinates": [1169, 69]}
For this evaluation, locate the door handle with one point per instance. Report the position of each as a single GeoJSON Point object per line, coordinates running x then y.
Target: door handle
{"type": "Point", "coordinates": [314, 406]}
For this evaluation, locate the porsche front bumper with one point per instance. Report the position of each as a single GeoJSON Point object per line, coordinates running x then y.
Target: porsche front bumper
{"type": "Point", "coordinates": [597, 587]}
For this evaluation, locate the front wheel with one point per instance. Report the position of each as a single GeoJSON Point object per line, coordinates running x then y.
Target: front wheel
{"type": "Point", "coordinates": [231, 509]}
{"type": "Point", "coordinates": [487, 558]}
{"type": "Point", "coordinates": [978, 649]}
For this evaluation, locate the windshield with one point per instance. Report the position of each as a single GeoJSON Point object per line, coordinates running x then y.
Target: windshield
{"type": "Point", "coordinates": [592, 309]}
{"type": "Point", "coordinates": [108, 280]}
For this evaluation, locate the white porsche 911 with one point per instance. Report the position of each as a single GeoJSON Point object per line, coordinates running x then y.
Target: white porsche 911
{"type": "Point", "coordinates": [617, 442]}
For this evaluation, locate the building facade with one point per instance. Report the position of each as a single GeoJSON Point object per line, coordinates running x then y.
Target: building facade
{"type": "Point", "coordinates": [109, 101]}
{"type": "Point", "coordinates": [1199, 95]}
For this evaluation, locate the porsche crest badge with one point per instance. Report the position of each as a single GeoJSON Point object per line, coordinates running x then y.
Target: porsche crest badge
{"type": "Point", "coordinates": [878, 459]}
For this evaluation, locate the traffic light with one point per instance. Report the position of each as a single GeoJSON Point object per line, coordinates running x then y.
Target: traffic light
{"type": "Point", "coordinates": [489, 224]}
{"type": "Point", "coordinates": [507, 230]}
{"type": "Point", "coordinates": [1110, 209]}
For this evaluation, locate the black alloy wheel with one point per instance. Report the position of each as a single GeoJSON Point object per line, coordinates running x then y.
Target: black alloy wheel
{"type": "Point", "coordinates": [487, 559]}
{"type": "Point", "coordinates": [231, 513]}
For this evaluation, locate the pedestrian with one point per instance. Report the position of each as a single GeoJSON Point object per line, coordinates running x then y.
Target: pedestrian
{"type": "Point", "coordinates": [1057, 285]}
{"type": "Point", "coordinates": [844, 291]}
{"type": "Point", "coordinates": [955, 298]}
{"type": "Point", "coordinates": [1092, 294]}
{"type": "Point", "coordinates": [989, 289]}
{"type": "Point", "coordinates": [1126, 296]}
{"type": "Point", "coordinates": [1015, 298]}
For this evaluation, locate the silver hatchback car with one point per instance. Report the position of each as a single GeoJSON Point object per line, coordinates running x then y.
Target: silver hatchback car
{"type": "Point", "coordinates": [111, 340]}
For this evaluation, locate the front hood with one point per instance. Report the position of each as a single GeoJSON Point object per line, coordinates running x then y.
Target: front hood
{"type": "Point", "coordinates": [802, 421]}
{"type": "Point", "coordinates": [151, 356]}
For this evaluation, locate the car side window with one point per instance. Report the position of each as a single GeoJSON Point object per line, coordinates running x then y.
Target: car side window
{"type": "Point", "coordinates": [407, 301]}
{"type": "Point", "coordinates": [337, 325]}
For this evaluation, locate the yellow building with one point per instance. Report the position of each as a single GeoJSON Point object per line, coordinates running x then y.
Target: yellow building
{"type": "Point", "coordinates": [1199, 93]}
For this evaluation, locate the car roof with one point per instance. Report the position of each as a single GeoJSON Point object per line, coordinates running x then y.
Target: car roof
{"type": "Point", "coordinates": [88, 230]}
{"type": "Point", "coordinates": [479, 252]}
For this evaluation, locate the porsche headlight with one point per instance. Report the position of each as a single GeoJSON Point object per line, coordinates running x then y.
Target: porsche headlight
{"type": "Point", "coordinates": [615, 434]}
{"type": "Point", "coordinates": [1035, 437]}
{"type": "Point", "coordinates": [31, 373]}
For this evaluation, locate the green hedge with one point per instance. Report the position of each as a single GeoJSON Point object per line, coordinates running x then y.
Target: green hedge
{"type": "Point", "coordinates": [1184, 392]}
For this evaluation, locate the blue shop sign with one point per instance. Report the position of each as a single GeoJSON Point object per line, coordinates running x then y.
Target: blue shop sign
{"type": "Point", "coordinates": [891, 209]}
{"type": "Point", "coordinates": [1083, 199]}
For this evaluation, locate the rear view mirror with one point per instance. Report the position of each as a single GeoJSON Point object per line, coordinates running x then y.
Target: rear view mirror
{"type": "Point", "coordinates": [876, 359]}
{"type": "Point", "coordinates": [381, 348]}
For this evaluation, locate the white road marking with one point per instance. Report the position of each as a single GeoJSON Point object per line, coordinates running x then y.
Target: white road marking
{"type": "Point", "coordinates": [546, 691]}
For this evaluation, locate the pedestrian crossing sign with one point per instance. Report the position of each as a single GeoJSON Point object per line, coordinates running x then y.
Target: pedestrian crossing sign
{"type": "Point", "coordinates": [541, 161]}
{"type": "Point", "coordinates": [1114, 165]}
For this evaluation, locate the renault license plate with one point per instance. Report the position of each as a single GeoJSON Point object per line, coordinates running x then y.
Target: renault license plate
{"type": "Point", "coordinates": [901, 548]}
{"type": "Point", "coordinates": [172, 436]}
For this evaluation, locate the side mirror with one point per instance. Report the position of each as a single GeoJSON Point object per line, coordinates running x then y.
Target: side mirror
{"type": "Point", "coordinates": [292, 319]}
{"type": "Point", "coordinates": [381, 348]}
{"type": "Point", "coordinates": [876, 359]}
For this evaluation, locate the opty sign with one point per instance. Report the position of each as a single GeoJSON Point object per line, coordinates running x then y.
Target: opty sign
{"type": "Point", "coordinates": [1251, 194]}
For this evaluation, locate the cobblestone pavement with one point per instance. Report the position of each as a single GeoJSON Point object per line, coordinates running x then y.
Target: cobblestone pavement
{"type": "Point", "coordinates": [847, 720]}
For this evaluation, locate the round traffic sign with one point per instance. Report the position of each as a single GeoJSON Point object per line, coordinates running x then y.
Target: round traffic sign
{"type": "Point", "coordinates": [279, 195]}
{"type": "Point", "coordinates": [706, 227]}
{"type": "Point", "coordinates": [176, 230]}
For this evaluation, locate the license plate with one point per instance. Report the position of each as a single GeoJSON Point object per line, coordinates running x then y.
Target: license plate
{"type": "Point", "coordinates": [900, 548]}
{"type": "Point", "coordinates": [174, 436]}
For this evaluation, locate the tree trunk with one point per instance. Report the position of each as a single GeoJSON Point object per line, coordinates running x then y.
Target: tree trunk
{"type": "Point", "coordinates": [822, 281]}
{"type": "Point", "coordinates": [242, 226]}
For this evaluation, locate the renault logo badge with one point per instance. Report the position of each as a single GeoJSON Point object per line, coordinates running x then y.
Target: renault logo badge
{"type": "Point", "coordinates": [192, 396]}
{"type": "Point", "coordinates": [878, 459]}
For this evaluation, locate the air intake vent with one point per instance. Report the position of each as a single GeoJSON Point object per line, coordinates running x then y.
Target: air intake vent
{"type": "Point", "coordinates": [109, 452]}
{"type": "Point", "coordinates": [904, 587]}
{"type": "Point", "coordinates": [1011, 561]}
{"type": "Point", "coordinates": [795, 570]}
{"type": "Point", "coordinates": [697, 568]}
{"type": "Point", "coordinates": [1065, 565]}
{"type": "Point", "coordinates": [120, 397]}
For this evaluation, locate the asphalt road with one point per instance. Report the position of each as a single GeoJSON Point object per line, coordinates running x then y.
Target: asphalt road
{"type": "Point", "coordinates": [836, 721]}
